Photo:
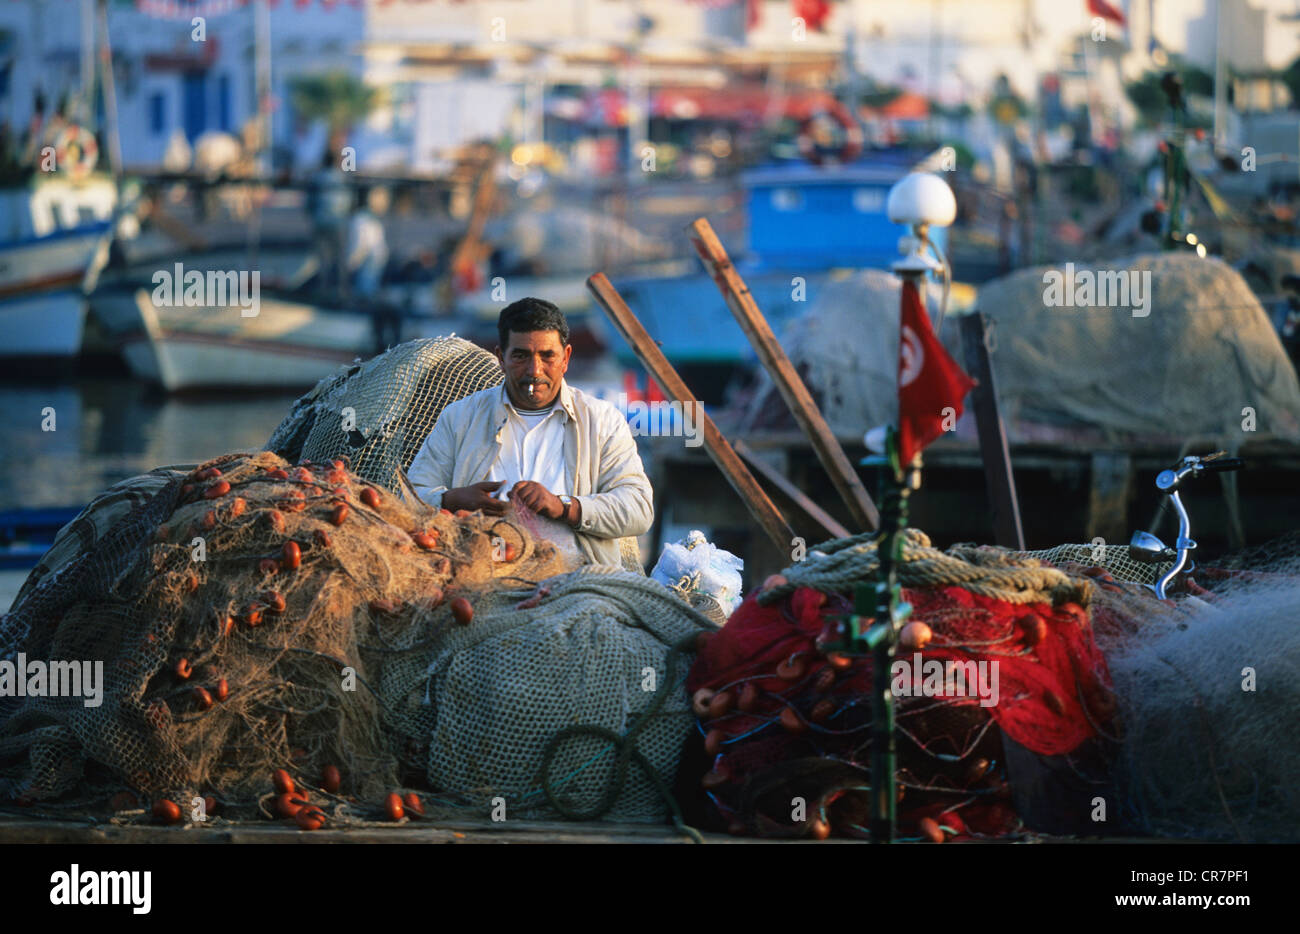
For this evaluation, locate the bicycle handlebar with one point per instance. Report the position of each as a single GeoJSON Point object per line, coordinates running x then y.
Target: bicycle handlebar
{"type": "Point", "coordinates": [1192, 466]}
{"type": "Point", "coordinates": [1223, 464]}
{"type": "Point", "coordinates": [1168, 482]}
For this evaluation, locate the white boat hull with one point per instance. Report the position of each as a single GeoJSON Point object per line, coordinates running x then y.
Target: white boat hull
{"type": "Point", "coordinates": [288, 345]}
{"type": "Point", "coordinates": [40, 264]}
{"type": "Point", "coordinates": [49, 231]}
{"type": "Point", "coordinates": [44, 324]}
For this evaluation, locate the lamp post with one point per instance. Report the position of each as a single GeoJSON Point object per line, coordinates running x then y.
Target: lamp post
{"type": "Point", "coordinates": [920, 200]}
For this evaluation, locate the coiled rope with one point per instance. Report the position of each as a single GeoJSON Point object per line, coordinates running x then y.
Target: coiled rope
{"type": "Point", "coordinates": [625, 744]}
{"type": "Point", "coordinates": [839, 564]}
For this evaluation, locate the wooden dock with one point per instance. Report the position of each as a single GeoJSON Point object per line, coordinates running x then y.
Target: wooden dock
{"type": "Point", "coordinates": [421, 831]}
{"type": "Point", "coordinates": [218, 831]}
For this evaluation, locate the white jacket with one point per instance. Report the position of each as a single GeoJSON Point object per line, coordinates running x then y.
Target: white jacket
{"type": "Point", "coordinates": [600, 455]}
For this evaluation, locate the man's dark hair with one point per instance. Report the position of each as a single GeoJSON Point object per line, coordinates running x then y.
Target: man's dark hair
{"type": "Point", "coordinates": [531, 314]}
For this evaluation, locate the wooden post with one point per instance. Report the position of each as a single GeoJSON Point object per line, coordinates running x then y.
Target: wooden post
{"type": "Point", "coordinates": [1110, 486]}
{"type": "Point", "coordinates": [774, 359]}
{"type": "Point", "coordinates": [796, 495]}
{"type": "Point", "coordinates": [728, 461]}
{"type": "Point", "coordinates": [481, 166]}
{"type": "Point", "coordinates": [1000, 482]}
{"type": "Point", "coordinates": [1232, 500]}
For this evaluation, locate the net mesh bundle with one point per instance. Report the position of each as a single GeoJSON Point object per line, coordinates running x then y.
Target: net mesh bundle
{"type": "Point", "coordinates": [378, 413]}
{"type": "Point", "coordinates": [781, 717]}
{"type": "Point", "coordinates": [1209, 695]}
{"type": "Point", "coordinates": [1114, 559]}
{"type": "Point", "coordinates": [227, 654]}
{"type": "Point", "coordinates": [549, 750]}
{"type": "Point", "coordinates": [1065, 373]}
{"type": "Point", "coordinates": [1208, 684]}
{"type": "Point", "coordinates": [1176, 713]}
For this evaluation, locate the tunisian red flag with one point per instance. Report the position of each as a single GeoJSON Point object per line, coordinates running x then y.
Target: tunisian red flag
{"type": "Point", "coordinates": [1105, 11]}
{"type": "Point", "coordinates": [928, 379]}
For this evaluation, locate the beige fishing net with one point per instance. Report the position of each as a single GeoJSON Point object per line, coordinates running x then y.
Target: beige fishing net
{"type": "Point", "coordinates": [378, 413]}
{"type": "Point", "coordinates": [1114, 559]}
{"type": "Point", "coordinates": [252, 616]}
{"type": "Point", "coordinates": [856, 384]}
{"type": "Point", "coordinates": [509, 698]}
{"type": "Point", "coordinates": [1204, 353]}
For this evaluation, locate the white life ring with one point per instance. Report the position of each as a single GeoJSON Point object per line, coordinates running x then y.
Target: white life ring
{"type": "Point", "coordinates": [76, 151]}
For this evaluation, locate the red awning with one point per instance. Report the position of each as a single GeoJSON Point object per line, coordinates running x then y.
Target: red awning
{"type": "Point", "coordinates": [746, 105]}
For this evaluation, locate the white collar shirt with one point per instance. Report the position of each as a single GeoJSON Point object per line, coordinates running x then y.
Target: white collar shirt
{"type": "Point", "coordinates": [532, 448]}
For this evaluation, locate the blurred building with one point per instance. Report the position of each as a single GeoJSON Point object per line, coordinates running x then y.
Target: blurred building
{"type": "Point", "coordinates": [166, 79]}
{"type": "Point", "coordinates": [453, 72]}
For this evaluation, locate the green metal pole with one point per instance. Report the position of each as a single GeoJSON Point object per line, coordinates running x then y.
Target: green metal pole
{"type": "Point", "coordinates": [882, 637]}
{"type": "Point", "coordinates": [890, 614]}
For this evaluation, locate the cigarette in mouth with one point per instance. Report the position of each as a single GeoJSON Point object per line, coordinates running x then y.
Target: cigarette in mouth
{"type": "Point", "coordinates": [531, 384]}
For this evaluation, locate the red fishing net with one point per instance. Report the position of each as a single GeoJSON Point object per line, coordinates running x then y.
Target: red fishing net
{"type": "Point", "coordinates": [786, 725]}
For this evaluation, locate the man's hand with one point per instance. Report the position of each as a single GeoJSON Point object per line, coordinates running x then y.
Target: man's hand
{"type": "Point", "coordinates": [475, 496]}
{"type": "Point", "coordinates": [537, 498]}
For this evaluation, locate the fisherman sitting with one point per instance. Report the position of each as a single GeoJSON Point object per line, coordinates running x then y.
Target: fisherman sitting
{"type": "Point", "coordinates": [556, 450]}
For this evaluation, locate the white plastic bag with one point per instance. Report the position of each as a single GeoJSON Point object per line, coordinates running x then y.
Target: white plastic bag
{"type": "Point", "coordinates": [697, 566]}
{"type": "Point", "coordinates": [540, 527]}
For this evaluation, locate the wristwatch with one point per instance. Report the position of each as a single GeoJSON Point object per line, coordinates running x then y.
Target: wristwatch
{"type": "Point", "coordinates": [567, 500]}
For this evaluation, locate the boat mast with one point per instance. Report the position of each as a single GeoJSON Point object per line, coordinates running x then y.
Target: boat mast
{"type": "Point", "coordinates": [262, 78]}
{"type": "Point", "coordinates": [262, 88]}
{"type": "Point", "coordinates": [114, 136]}
{"type": "Point", "coordinates": [88, 64]}
{"type": "Point", "coordinates": [103, 251]}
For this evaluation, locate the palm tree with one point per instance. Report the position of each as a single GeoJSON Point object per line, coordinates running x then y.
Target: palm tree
{"type": "Point", "coordinates": [337, 97]}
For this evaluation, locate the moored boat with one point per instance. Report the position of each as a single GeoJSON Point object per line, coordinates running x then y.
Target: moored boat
{"type": "Point", "coordinates": [52, 228]}
{"type": "Point", "coordinates": [42, 325]}
{"type": "Point", "coordinates": [285, 345]}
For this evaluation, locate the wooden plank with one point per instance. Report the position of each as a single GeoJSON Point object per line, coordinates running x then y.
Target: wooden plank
{"type": "Point", "coordinates": [82, 833]}
{"type": "Point", "coordinates": [796, 495]}
{"type": "Point", "coordinates": [425, 831]}
{"type": "Point", "coordinates": [999, 480]}
{"type": "Point", "coordinates": [1108, 496]}
{"type": "Point", "coordinates": [728, 461]}
{"type": "Point", "coordinates": [787, 380]}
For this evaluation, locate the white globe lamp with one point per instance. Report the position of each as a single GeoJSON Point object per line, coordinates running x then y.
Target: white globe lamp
{"type": "Point", "coordinates": [921, 199]}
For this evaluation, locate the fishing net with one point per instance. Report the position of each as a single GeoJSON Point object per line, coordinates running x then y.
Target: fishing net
{"type": "Point", "coordinates": [378, 413]}
{"type": "Point", "coordinates": [1204, 351]}
{"type": "Point", "coordinates": [614, 715]}
{"type": "Point", "coordinates": [1009, 641]}
{"type": "Point", "coordinates": [1114, 559]}
{"type": "Point", "coordinates": [1208, 685]}
{"type": "Point", "coordinates": [854, 387]}
{"type": "Point", "coordinates": [252, 616]}
{"type": "Point", "coordinates": [1174, 714]}
{"type": "Point", "coordinates": [83, 534]}
{"type": "Point", "coordinates": [1210, 696]}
